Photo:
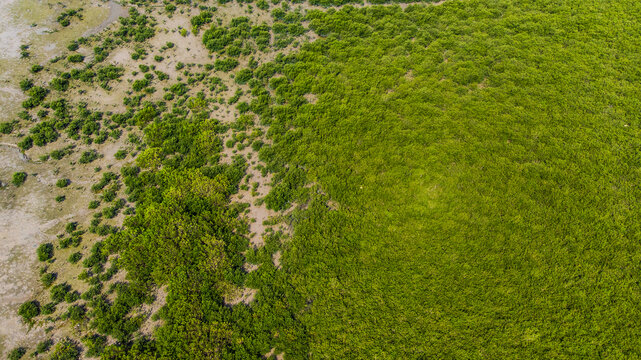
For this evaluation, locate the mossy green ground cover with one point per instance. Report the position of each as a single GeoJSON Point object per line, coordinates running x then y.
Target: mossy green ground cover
{"type": "Point", "coordinates": [485, 156]}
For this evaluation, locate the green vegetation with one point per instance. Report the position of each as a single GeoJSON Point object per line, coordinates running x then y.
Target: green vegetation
{"type": "Point", "coordinates": [29, 310]}
{"type": "Point", "coordinates": [460, 181]}
{"type": "Point", "coordinates": [48, 279]}
{"type": "Point", "coordinates": [45, 251]}
{"type": "Point", "coordinates": [44, 346]}
{"type": "Point", "coordinates": [17, 353]}
{"type": "Point", "coordinates": [36, 68]}
{"type": "Point", "coordinates": [88, 156]}
{"type": "Point", "coordinates": [65, 17]}
{"type": "Point", "coordinates": [136, 27]}
{"type": "Point", "coordinates": [75, 257]}
{"type": "Point", "coordinates": [76, 58]}
{"type": "Point", "coordinates": [19, 178]}
{"type": "Point", "coordinates": [62, 183]}
{"type": "Point", "coordinates": [66, 349]}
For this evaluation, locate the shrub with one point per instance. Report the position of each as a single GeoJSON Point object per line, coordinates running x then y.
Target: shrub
{"type": "Point", "coordinates": [75, 257]}
{"type": "Point", "coordinates": [26, 143]}
{"type": "Point", "coordinates": [19, 178]}
{"type": "Point", "coordinates": [72, 296]}
{"type": "Point", "coordinates": [59, 84]}
{"type": "Point", "coordinates": [76, 58]}
{"type": "Point", "coordinates": [140, 84]}
{"type": "Point", "coordinates": [60, 198]}
{"type": "Point", "coordinates": [26, 84]}
{"type": "Point", "coordinates": [6, 127]}
{"type": "Point", "coordinates": [120, 154]}
{"type": "Point", "coordinates": [66, 349]}
{"type": "Point", "coordinates": [29, 310]}
{"type": "Point", "coordinates": [71, 227]}
{"type": "Point", "coordinates": [49, 309]}
{"type": "Point", "coordinates": [58, 292]}
{"type": "Point", "coordinates": [45, 251]}
{"type": "Point", "coordinates": [48, 279]}
{"type": "Point", "coordinates": [88, 156]}
{"type": "Point", "coordinates": [94, 204]}
{"type": "Point", "coordinates": [62, 183]}
{"type": "Point", "coordinates": [225, 65]}
{"type": "Point", "coordinates": [243, 76]}
{"type": "Point", "coordinates": [17, 353]}
{"type": "Point", "coordinates": [95, 344]}
{"type": "Point", "coordinates": [76, 313]}
{"type": "Point", "coordinates": [44, 346]}
{"type": "Point", "coordinates": [36, 68]}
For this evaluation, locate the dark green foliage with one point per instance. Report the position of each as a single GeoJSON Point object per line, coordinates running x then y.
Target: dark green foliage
{"type": "Point", "coordinates": [284, 191]}
{"type": "Point", "coordinates": [49, 308]}
{"type": "Point", "coordinates": [17, 353]}
{"type": "Point", "coordinates": [36, 95]}
{"type": "Point", "coordinates": [110, 72]}
{"type": "Point", "coordinates": [36, 68]}
{"type": "Point", "coordinates": [76, 58]}
{"type": "Point", "coordinates": [106, 179]}
{"type": "Point", "coordinates": [65, 17]}
{"type": "Point", "coordinates": [120, 154]}
{"type": "Point", "coordinates": [29, 310]}
{"type": "Point", "coordinates": [45, 251]}
{"type": "Point", "coordinates": [44, 132]}
{"type": "Point", "coordinates": [26, 84]}
{"type": "Point", "coordinates": [201, 19]}
{"type": "Point", "coordinates": [136, 26]}
{"type": "Point", "coordinates": [161, 75]}
{"type": "Point", "coordinates": [71, 227]}
{"type": "Point", "coordinates": [59, 154]}
{"type": "Point", "coordinates": [59, 84]}
{"type": "Point", "coordinates": [60, 198]}
{"type": "Point", "coordinates": [225, 65]}
{"type": "Point", "coordinates": [58, 292]}
{"type": "Point", "coordinates": [140, 84]}
{"type": "Point", "coordinates": [179, 89]}
{"type": "Point", "coordinates": [76, 313]}
{"type": "Point", "coordinates": [66, 349]}
{"type": "Point", "coordinates": [7, 127]}
{"type": "Point", "coordinates": [48, 279]}
{"type": "Point", "coordinates": [73, 46]}
{"type": "Point", "coordinates": [74, 240]}
{"type": "Point", "coordinates": [93, 204]}
{"type": "Point", "coordinates": [44, 346]}
{"type": "Point", "coordinates": [19, 178]}
{"type": "Point", "coordinates": [75, 257]}
{"type": "Point", "coordinates": [243, 76]}
{"type": "Point", "coordinates": [62, 183]}
{"type": "Point", "coordinates": [97, 256]}
{"type": "Point", "coordinates": [95, 344]}
{"type": "Point", "coordinates": [88, 156]}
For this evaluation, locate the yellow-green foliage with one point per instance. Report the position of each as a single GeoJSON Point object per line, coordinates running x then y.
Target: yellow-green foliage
{"type": "Point", "coordinates": [485, 158]}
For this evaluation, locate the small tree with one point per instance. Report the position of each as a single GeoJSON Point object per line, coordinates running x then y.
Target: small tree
{"type": "Point", "coordinates": [66, 349]}
{"type": "Point", "coordinates": [19, 178]}
{"type": "Point", "coordinates": [17, 353]}
{"type": "Point", "coordinates": [62, 183]}
{"type": "Point", "coordinates": [29, 310]}
{"type": "Point", "coordinates": [45, 251]}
